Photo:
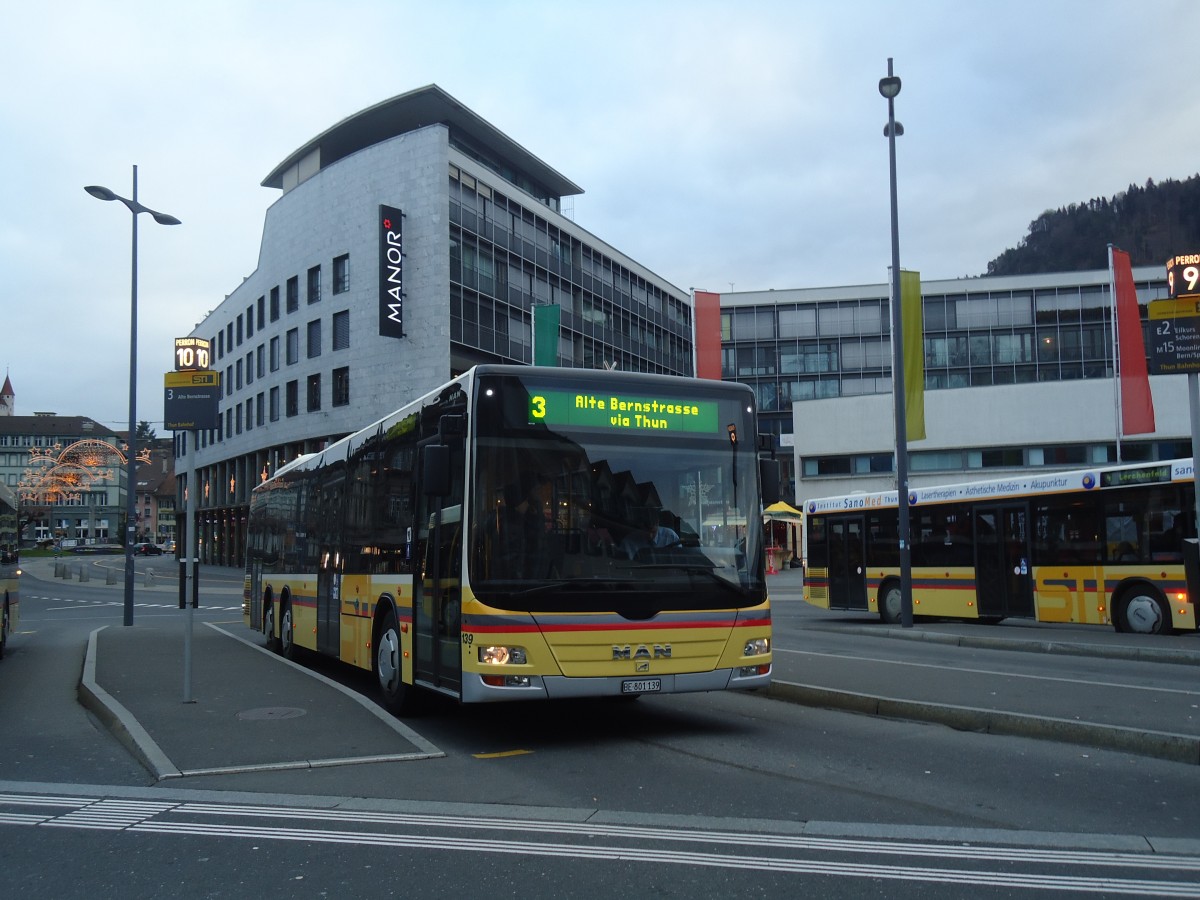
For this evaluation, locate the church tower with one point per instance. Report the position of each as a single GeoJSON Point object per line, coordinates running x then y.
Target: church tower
{"type": "Point", "coordinates": [8, 400]}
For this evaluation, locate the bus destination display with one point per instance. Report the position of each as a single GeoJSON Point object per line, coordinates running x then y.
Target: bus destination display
{"type": "Point", "coordinates": [583, 409]}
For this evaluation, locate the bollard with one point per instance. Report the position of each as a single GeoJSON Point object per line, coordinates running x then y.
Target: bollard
{"type": "Point", "coordinates": [58, 569]}
{"type": "Point", "coordinates": [149, 579]}
{"type": "Point", "coordinates": [84, 572]}
{"type": "Point", "coordinates": [110, 576]}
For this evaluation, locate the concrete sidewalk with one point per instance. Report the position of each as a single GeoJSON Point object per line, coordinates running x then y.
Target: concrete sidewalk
{"type": "Point", "coordinates": [259, 712]}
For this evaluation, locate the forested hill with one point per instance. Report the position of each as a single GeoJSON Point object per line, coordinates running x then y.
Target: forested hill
{"type": "Point", "coordinates": [1150, 223]}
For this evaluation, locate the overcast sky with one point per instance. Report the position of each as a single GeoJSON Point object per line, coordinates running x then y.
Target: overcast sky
{"type": "Point", "coordinates": [723, 145]}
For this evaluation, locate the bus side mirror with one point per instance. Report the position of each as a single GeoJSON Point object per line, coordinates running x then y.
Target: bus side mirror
{"type": "Point", "coordinates": [768, 477]}
{"type": "Point", "coordinates": [435, 470]}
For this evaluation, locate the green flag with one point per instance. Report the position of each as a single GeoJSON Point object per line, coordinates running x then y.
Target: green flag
{"type": "Point", "coordinates": [914, 354]}
{"type": "Point", "coordinates": [545, 335]}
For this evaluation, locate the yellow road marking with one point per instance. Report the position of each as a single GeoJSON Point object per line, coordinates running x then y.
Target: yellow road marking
{"type": "Point", "coordinates": [500, 754]}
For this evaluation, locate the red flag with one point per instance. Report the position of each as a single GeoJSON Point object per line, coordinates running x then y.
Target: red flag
{"type": "Point", "coordinates": [1137, 404]}
{"type": "Point", "coordinates": [708, 335]}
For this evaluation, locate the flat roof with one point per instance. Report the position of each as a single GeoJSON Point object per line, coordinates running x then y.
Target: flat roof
{"type": "Point", "coordinates": [407, 112]}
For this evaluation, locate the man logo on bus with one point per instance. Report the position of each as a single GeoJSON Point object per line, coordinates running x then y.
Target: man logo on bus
{"type": "Point", "coordinates": [661, 651]}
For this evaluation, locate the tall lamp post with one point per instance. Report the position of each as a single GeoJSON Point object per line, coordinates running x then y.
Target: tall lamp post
{"type": "Point", "coordinates": [103, 193]}
{"type": "Point", "coordinates": [889, 87]}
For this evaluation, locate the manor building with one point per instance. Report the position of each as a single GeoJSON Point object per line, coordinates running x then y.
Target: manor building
{"type": "Point", "coordinates": [410, 241]}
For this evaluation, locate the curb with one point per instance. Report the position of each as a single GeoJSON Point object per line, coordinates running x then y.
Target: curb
{"type": "Point", "coordinates": [118, 720]}
{"type": "Point", "coordinates": [1169, 655]}
{"type": "Point", "coordinates": [1157, 744]}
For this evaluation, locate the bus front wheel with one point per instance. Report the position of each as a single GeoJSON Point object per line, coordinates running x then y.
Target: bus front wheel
{"type": "Point", "coordinates": [890, 603]}
{"type": "Point", "coordinates": [1142, 610]}
{"type": "Point", "coordinates": [398, 697]}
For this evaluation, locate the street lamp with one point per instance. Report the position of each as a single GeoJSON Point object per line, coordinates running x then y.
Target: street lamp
{"type": "Point", "coordinates": [889, 88]}
{"type": "Point", "coordinates": [103, 193]}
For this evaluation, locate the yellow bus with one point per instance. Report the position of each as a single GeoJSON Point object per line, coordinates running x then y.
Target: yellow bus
{"type": "Point", "coordinates": [10, 570]}
{"type": "Point", "coordinates": [1102, 546]}
{"type": "Point", "coordinates": [527, 533]}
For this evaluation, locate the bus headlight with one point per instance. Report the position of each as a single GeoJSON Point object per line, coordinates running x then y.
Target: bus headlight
{"type": "Point", "coordinates": [757, 647]}
{"type": "Point", "coordinates": [502, 656]}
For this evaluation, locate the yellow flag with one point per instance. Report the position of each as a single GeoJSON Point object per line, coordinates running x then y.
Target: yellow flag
{"type": "Point", "coordinates": [914, 354]}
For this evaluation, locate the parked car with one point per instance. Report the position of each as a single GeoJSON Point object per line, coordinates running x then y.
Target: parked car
{"type": "Point", "coordinates": [147, 549]}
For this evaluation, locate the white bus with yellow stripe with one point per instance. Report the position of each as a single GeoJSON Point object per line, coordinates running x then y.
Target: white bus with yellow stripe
{"type": "Point", "coordinates": [1109, 545]}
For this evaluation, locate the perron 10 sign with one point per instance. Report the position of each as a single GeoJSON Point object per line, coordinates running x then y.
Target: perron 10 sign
{"type": "Point", "coordinates": [391, 272]}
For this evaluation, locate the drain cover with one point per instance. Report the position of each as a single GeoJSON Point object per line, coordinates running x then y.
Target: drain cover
{"type": "Point", "coordinates": [267, 713]}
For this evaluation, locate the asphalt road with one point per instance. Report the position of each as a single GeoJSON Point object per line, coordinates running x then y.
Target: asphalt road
{"type": "Point", "coordinates": [698, 795]}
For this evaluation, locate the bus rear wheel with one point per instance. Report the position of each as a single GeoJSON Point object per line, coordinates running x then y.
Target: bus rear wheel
{"type": "Point", "coordinates": [398, 697]}
{"type": "Point", "coordinates": [287, 636]}
{"type": "Point", "coordinates": [1142, 610]}
{"type": "Point", "coordinates": [890, 603]}
{"type": "Point", "coordinates": [268, 624]}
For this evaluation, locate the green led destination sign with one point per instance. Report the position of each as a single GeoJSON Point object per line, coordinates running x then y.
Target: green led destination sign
{"type": "Point", "coordinates": [622, 412]}
{"type": "Point", "coordinates": [1148, 475]}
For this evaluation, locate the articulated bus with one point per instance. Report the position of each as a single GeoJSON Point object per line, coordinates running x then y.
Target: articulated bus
{"type": "Point", "coordinates": [1101, 546]}
{"type": "Point", "coordinates": [527, 533]}
{"type": "Point", "coordinates": [10, 570]}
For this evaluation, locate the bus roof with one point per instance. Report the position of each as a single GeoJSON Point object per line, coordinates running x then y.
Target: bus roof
{"type": "Point", "coordinates": [345, 446]}
{"type": "Point", "coordinates": [1023, 485]}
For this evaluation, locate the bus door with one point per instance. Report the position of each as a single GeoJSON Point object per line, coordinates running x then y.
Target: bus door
{"type": "Point", "coordinates": [1003, 574]}
{"type": "Point", "coordinates": [328, 535]}
{"type": "Point", "coordinates": [329, 601]}
{"type": "Point", "coordinates": [437, 620]}
{"type": "Point", "coordinates": [847, 563]}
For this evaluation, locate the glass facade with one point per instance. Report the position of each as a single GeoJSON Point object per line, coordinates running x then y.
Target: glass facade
{"type": "Point", "coordinates": [818, 344]}
{"type": "Point", "coordinates": [506, 258]}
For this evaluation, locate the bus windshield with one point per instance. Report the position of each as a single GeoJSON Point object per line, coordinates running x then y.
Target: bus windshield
{"type": "Point", "coordinates": [579, 506]}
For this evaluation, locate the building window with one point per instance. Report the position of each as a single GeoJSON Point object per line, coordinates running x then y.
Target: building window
{"type": "Point", "coordinates": [314, 338]}
{"type": "Point", "coordinates": [293, 346]}
{"type": "Point", "coordinates": [274, 304]}
{"type": "Point", "coordinates": [314, 393]}
{"type": "Point", "coordinates": [262, 301]}
{"type": "Point", "coordinates": [341, 330]}
{"type": "Point", "coordinates": [293, 294]}
{"type": "Point", "coordinates": [249, 321]}
{"type": "Point", "coordinates": [314, 284]}
{"type": "Point", "coordinates": [341, 386]}
{"type": "Point", "coordinates": [341, 274]}
{"type": "Point", "coordinates": [274, 404]}
{"type": "Point", "coordinates": [275, 354]}
{"type": "Point", "coordinates": [293, 398]}
{"type": "Point", "coordinates": [258, 412]}
{"type": "Point", "coordinates": [260, 361]}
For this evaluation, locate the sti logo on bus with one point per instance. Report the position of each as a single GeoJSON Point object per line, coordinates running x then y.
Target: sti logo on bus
{"type": "Point", "coordinates": [661, 651]}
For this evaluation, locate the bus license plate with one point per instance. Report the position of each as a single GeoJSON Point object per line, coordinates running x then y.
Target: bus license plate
{"type": "Point", "coordinates": [641, 686]}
